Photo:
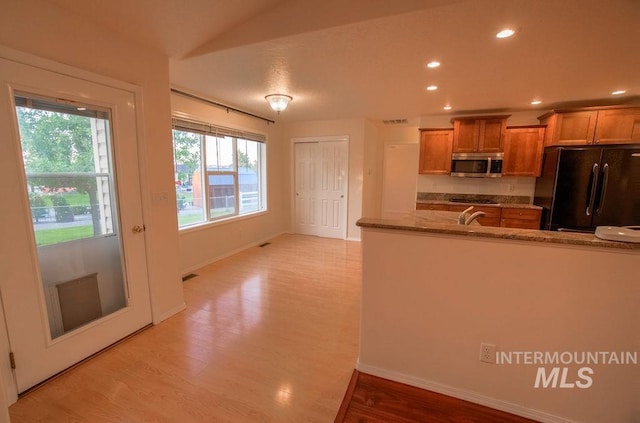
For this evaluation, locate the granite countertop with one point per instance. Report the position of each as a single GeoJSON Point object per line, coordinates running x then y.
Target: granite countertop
{"type": "Point", "coordinates": [444, 222]}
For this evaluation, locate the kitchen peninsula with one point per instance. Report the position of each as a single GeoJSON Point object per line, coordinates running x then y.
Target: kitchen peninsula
{"type": "Point", "coordinates": [433, 291]}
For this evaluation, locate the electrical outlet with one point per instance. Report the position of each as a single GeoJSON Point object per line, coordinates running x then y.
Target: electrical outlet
{"type": "Point", "coordinates": [488, 353]}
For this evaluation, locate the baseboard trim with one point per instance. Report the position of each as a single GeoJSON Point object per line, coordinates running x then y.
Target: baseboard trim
{"type": "Point", "coordinates": [462, 394]}
{"type": "Point", "coordinates": [212, 260]}
{"type": "Point", "coordinates": [356, 239]}
{"type": "Point", "coordinates": [164, 316]}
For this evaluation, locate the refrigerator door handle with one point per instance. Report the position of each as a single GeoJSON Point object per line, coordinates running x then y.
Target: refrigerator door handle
{"type": "Point", "coordinates": [603, 194]}
{"type": "Point", "coordinates": [594, 185]}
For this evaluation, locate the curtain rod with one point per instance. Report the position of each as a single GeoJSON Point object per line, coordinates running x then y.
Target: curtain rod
{"type": "Point", "coordinates": [222, 106]}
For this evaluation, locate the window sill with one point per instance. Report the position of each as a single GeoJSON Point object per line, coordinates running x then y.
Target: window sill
{"type": "Point", "coordinates": [213, 223]}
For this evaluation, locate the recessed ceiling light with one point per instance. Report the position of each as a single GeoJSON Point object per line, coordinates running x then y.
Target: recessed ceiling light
{"type": "Point", "coordinates": [433, 64]}
{"type": "Point", "coordinates": [81, 108]}
{"type": "Point", "coordinates": [535, 102]}
{"type": "Point", "coordinates": [618, 92]}
{"type": "Point", "coordinates": [505, 33]}
{"type": "Point", "coordinates": [447, 107]}
{"type": "Point", "coordinates": [432, 87]}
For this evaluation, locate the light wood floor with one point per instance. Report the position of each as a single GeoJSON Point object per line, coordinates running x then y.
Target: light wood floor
{"type": "Point", "coordinates": [269, 335]}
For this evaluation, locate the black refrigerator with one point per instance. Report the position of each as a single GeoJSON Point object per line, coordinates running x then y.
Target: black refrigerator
{"type": "Point", "coordinates": [581, 188]}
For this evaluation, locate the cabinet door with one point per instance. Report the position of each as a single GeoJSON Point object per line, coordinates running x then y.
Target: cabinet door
{"type": "Point", "coordinates": [575, 128]}
{"type": "Point", "coordinates": [435, 152]}
{"type": "Point", "coordinates": [618, 126]}
{"type": "Point", "coordinates": [491, 135]}
{"type": "Point", "coordinates": [520, 218]}
{"type": "Point", "coordinates": [465, 136]}
{"type": "Point", "coordinates": [427, 206]}
{"type": "Point", "coordinates": [523, 151]}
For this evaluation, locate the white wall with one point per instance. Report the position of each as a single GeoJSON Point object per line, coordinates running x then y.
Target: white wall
{"type": "Point", "coordinates": [429, 301]}
{"type": "Point", "coordinates": [372, 171]}
{"type": "Point", "coordinates": [506, 185]}
{"type": "Point", "coordinates": [355, 129]}
{"type": "Point", "coordinates": [204, 244]}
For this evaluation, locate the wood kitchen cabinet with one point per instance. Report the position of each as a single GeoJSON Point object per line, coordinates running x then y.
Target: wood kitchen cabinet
{"type": "Point", "coordinates": [495, 215]}
{"type": "Point", "coordinates": [520, 218]}
{"type": "Point", "coordinates": [618, 126]}
{"type": "Point", "coordinates": [435, 151]}
{"type": "Point", "coordinates": [426, 206]}
{"type": "Point", "coordinates": [606, 125]}
{"type": "Point", "coordinates": [479, 134]}
{"type": "Point", "coordinates": [523, 147]}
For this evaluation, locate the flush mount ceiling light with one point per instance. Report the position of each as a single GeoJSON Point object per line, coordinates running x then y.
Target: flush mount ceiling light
{"type": "Point", "coordinates": [433, 64]}
{"type": "Point", "coordinates": [278, 102]}
{"type": "Point", "coordinates": [618, 92]}
{"type": "Point", "coordinates": [505, 33]}
{"type": "Point", "coordinates": [447, 107]}
{"type": "Point", "coordinates": [432, 87]}
{"type": "Point", "coordinates": [536, 102]}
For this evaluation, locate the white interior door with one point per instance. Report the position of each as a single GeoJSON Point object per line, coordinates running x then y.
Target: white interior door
{"type": "Point", "coordinates": [399, 178]}
{"type": "Point", "coordinates": [320, 188]}
{"type": "Point", "coordinates": [306, 187]}
{"type": "Point", "coordinates": [74, 274]}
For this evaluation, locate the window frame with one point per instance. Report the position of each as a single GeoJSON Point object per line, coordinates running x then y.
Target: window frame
{"type": "Point", "coordinates": [204, 130]}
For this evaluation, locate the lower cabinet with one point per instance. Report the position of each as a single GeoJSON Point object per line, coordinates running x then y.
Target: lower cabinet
{"type": "Point", "coordinates": [503, 216]}
{"type": "Point", "coordinates": [439, 207]}
{"type": "Point", "coordinates": [520, 218]}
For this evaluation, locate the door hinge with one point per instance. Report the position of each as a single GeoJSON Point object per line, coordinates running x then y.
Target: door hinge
{"type": "Point", "coordinates": [12, 360]}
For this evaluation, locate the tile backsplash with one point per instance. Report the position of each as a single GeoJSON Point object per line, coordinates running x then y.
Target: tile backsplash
{"type": "Point", "coordinates": [507, 185]}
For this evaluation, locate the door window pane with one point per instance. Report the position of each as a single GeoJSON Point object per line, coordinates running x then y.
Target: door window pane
{"type": "Point", "coordinates": [66, 151]}
{"type": "Point", "coordinates": [66, 160]}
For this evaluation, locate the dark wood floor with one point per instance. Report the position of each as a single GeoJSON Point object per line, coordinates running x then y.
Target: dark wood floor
{"type": "Point", "coordinates": [370, 399]}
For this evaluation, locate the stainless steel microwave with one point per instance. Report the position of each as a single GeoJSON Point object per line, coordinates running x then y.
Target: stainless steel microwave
{"type": "Point", "coordinates": [477, 165]}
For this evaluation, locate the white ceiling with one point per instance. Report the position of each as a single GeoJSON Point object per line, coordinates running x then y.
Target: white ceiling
{"type": "Point", "coordinates": [366, 58]}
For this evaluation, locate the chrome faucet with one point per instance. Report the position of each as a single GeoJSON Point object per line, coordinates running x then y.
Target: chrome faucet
{"type": "Point", "coordinates": [462, 217]}
{"type": "Point", "coordinates": [474, 217]}
{"type": "Point", "coordinates": [465, 219]}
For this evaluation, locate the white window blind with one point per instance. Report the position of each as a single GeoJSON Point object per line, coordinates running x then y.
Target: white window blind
{"type": "Point", "coordinates": [181, 124]}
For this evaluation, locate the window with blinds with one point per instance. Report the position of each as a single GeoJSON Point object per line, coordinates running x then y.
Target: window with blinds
{"type": "Point", "coordinates": [220, 172]}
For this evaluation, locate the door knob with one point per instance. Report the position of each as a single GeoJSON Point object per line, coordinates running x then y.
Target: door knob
{"type": "Point", "coordinates": [137, 229]}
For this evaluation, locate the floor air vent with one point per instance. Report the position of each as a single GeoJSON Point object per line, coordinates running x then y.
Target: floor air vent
{"type": "Point", "coordinates": [189, 276]}
{"type": "Point", "coordinates": [264, 245]}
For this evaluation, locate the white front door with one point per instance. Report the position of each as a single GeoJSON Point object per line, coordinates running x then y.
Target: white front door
{"type": "Point", "coordinates": [73, 261]}
{"type": "Point", "coordinates": [320, 188]}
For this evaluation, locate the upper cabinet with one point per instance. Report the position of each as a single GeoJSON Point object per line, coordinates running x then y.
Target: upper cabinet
{"type": "Point", "coordinates": [479, 134]}
{"type": "Point", "coordinates": [435, 151]}
{"type": "Point", "coordinates": [608, 125]}
{"type": "Point", "coordinates": [523, 150]}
